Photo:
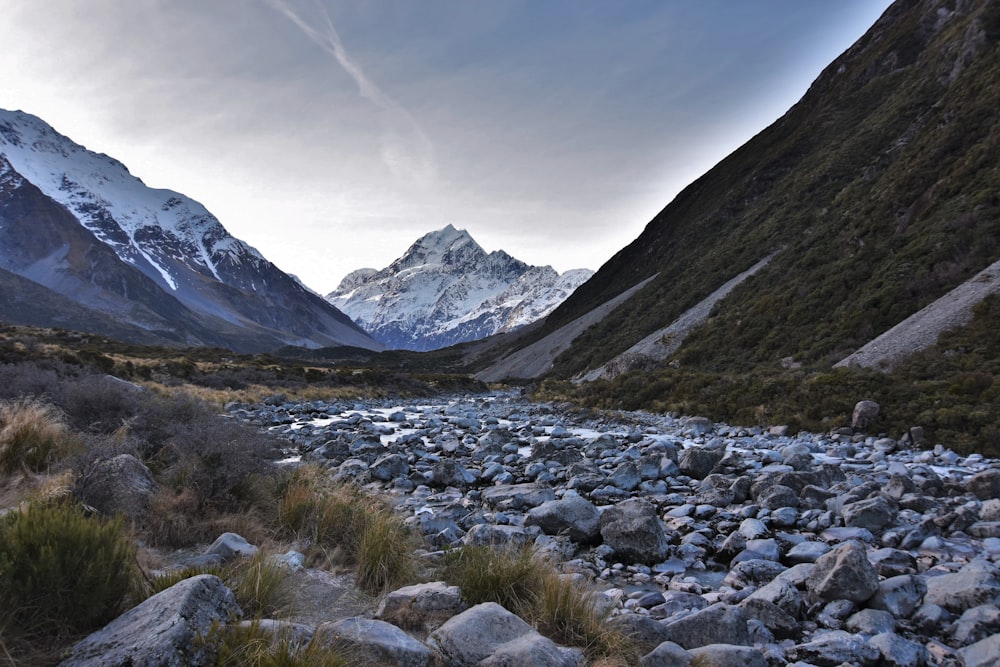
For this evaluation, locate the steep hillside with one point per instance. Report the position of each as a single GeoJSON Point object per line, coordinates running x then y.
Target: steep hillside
{"type": "Point", "coordinates": [80, 224]}
{"type": "Point", "coordinates": [445, 289]}
{"type": "Point", "coordinates": [880, 190]}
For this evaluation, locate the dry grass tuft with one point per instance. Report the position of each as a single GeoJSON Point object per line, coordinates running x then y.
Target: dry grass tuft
{"type": "Point", "coordinates": [348, 527]}
{"type": "Point", "coordinates": [557, 605]}
{"type": "Point", "coordinates": [33, 436]}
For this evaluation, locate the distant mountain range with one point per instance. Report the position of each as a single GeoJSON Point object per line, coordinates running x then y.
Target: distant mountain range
{"type": "Point", "coordinates": [86, 245]}
{"type": "Point", "coordinates": [445, 289]}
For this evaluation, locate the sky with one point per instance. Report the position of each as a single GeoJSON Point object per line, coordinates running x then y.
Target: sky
{"type": "Point", "coordinates": [331, 134]}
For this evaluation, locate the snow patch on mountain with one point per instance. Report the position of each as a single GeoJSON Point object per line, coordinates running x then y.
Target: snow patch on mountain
{"type": "Point", "coordinates": [149, 228]}
{"type": "Point", "coordinates": [445, 289]}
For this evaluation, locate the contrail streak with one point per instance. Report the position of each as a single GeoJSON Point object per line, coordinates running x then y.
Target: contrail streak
{"type": "Point", "coordinates": [406, 149]}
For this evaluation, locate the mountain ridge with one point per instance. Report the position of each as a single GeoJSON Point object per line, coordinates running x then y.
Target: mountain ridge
{"type": "Point", "coordinates": [880, 183]}
{"type": "Point", "coordinates": [445, 289]}
{"type": "Point", "coordinates": [172, 266]}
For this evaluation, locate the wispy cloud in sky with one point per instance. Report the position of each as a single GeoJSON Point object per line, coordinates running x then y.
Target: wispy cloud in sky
{"type": "Point", "coordinates": [405, 147]}
{"type": "Point", "coordinates": [330, 134]}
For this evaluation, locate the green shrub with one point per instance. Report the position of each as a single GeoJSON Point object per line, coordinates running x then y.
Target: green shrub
{"type": "Point", "coordinates": [33, 435]}
{"type": "Point", "coordinates": [61, 571]}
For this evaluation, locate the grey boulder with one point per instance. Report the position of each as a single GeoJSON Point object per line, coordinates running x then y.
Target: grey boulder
{"type": "Point", "coordinates": [633, 529]}
{"type": "Point", "coordinates": [488, 632]}
{"type": "Point", "coordinates": [571, 515]}
{"type": "Point", "coordinates": [844, 574]}
{"type": "Point", "coordinates": [371, 641]}
{"type": "Point", "coordinates": [161, 631]}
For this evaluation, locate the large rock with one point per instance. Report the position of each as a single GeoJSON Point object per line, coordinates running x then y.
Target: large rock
{"type": "Point", "coordinates": [633, 529]}
{"type": "Point", "coordinates": [492, 535]}
{"type": "Point", "coordinates": [976, 624]}
{"type": "Point", "coordinates": [985, 485]}
{"type": "Point", "coordinates": [667, 654]}
{"type": "Point", "coordinates": [975, 584]}
{"type": "Point", "coordinates": [644, 632]}
{"type": "Point", "coordinates": [490, 632]}
{"type": "Point", "coordinates": [697, 462]}
{"type": "Point", "coordinates": [873, 514]}
{"type": "Point", "coordinates": [843, 574]}
{"type": "Point", "coordinates": [836, 648]}
{"type": "Point", "coordinates": [900, 596]}
{"type": "Point", "coordinates": [571, 515]}
{"type": "Point", "coordinates": [119, 485]}
{"type": "Point", "coordinates": [777, 496]}
{"type": "Point", "coordinates": [895, 651]}
{"type": "Point", "coordinates": [718, 624]}
{"type": "Point", "coordinates": [374, 642]}
{"type": "Point", "coordinates": [229, 546]}
{"type": "Point", "coordinates": [781, 624]}
{"type": "Point", "coordinates": [421, 606]}
{"type": "Point", "coordinates": [448, 472]}
{"type": "Point", "coordinates": [389, 467]}
{"type": "Point", "coordinates": [865, 415]}
{"type": "Point", "coordinates": [162, 630]}
{"type": "Point", "coordinates": [983, 653]}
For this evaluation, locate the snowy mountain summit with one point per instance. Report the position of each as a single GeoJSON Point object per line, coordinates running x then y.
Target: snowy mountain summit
{"type": "Point", "coordinates": [446, 289]}
{"type": "Point", "coordinates": [152, 265]}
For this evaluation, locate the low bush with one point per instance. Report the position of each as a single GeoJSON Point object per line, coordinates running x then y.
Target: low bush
{"type": "Point", "coordinates": [189, 446]}
{"type": "Point", "coordinates": [61, 571]}
{"type": "Point", "coordinates": [33, 435]}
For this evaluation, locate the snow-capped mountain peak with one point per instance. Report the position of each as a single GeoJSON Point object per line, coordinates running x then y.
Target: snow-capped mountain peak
{"type": "Point", "coordinates": [149, 228]}
{"type": "Point", "coordinates": [445, 289]}
{"type": "Point", "coordinates": [81, 225]}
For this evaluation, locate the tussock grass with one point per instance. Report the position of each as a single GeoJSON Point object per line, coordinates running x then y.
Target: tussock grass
{"type": "Point", "coordinates": [259, 585]}
{"type": "Point", "coordinates": [559, 606]}
{"type": "Point", "coordinates": [62, 572]}
{"type": "Point", "coordinates": [33, 436]}
{"type": "Point", "coordinates": [348, 527]}
{"type": "Point", "coordinates": [254, 645]}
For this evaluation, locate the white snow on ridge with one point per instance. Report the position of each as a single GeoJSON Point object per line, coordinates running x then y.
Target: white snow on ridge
{"type": "Point", "coordinates": [112, 203]}
{"type": "Point", "coordinates": [446, 289]}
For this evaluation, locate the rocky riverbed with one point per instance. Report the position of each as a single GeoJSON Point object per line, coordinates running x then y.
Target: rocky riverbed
{"type": "Point", "coordinates": [813, 549]}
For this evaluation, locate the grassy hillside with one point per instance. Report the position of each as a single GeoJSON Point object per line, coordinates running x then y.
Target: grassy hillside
{"type": "Point", "coordinates": [880, 186]}
{"type": "Point", "coordinates": [950, 390]}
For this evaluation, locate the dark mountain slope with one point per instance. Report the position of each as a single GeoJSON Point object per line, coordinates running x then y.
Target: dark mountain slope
{"type": "Point", "coordinates": [80, 224]}
{"type": "Point", "coordinates": [881, 187]}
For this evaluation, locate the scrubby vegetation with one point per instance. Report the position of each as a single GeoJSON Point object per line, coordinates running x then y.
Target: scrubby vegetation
{"type": "Point", "coordinates": [61, 573]}
{"type": "Point", "coordinates": [949, 389]}
{"type": "Point", "coordinates": [68, 563]}
{"type": "Point", "coordinates": [65, 571]}
{"type": "Point", "coordinates": [252, 645]}
{"type": "Point", "coordinates": [345, 526]}
{"type": "Point", "coordinates": [560, 606]}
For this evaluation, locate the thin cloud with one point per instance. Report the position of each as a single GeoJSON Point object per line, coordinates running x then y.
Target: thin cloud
{"type": "Point", "coordinates": [405, 147]}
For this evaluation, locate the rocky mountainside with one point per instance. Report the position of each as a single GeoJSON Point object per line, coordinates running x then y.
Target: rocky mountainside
{"type": "Point", "coordinates": [877, 193]}
{"type": "Point", "coordinates": [446, 289]}
{"type": "Point", "coordinates": [81, 227]}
